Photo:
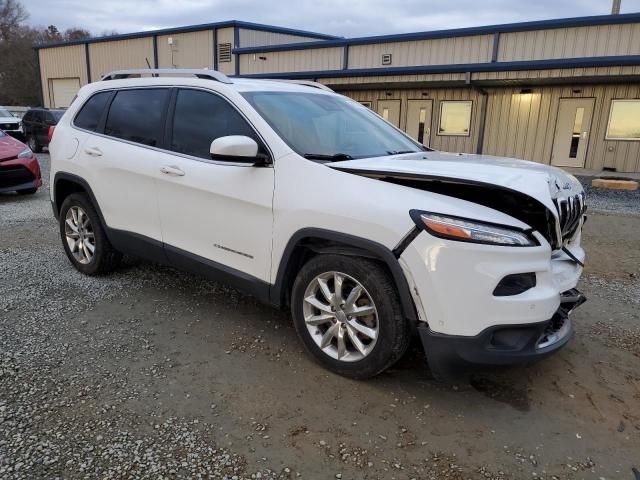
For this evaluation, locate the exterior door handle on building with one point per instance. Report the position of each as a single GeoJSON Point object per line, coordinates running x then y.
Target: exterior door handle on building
{"type": "Point", "coordinates": [584, 135]}
{"type": "Point", "coordinates": [93, 151]}
{"type": "Point", "coordinates": [171, 170]}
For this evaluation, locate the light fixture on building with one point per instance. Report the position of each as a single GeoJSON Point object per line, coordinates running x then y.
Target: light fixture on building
{"type": "Point", "coordinates": [388, 94]}
{"type": "Point", "coordinates": [526, 91]}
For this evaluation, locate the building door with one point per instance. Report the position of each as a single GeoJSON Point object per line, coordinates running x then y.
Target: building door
{"type": "Point", "coordinates": [63, 90]}
{"type": "Point", "coordinates": [572, 132]}
{"type": "Point", "coordinates": [419, 120]}
{"type": "Point", "coordinates": [390, 111]}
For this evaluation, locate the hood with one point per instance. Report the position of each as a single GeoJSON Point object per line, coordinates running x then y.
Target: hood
{"type": "Point", "coordinates": [532, 192]}
{"type": "Point", "coordinates": [10, 147]}
{"type": "Point", "coordinates": [542, 182]}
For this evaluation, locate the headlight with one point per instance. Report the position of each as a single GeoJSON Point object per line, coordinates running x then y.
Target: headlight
{"type": "Point", "coordinates": [465, 230]}
{"type": "Point", "coordinates": [25, 153]}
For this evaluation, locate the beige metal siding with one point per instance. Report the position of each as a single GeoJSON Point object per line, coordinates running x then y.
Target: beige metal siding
{"type": "Point", "coordinates": [225, 35]}
{"type": "Point", "coordinates": [61, 62]}
{"type": "Point", "coordinates": [257, 38]}
{"type": "Point", "coordinates": [292, 61]}
{"type": "Point", "coordinates": [593, 41]}
{"type": "Point", "coordinates": [120, 54]}
{"type": "Point", "coordinates": [523, 126]}
{"type": "Point", "coordinates": [189, 50]}
{"type": "Point", "coordinates": [439, 142]}
{"type": "Point", "coordinates": [442, 51]}
{"type": "Point", "coordinates": [344, 82]}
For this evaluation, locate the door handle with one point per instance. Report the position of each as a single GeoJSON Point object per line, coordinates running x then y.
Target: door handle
{"type": "Point", "coordinates": [171, 170]}
{"type": "Point", "coordinates": [93, 151]}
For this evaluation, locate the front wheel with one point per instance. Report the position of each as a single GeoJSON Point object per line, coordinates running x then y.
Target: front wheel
{"type": "Point", "coordinates": [347, 312]}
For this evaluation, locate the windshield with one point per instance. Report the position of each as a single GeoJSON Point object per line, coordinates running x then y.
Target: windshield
{"type": "Point", "coordinates": [5, 113]}
{"type": "Point", "coordinates": [329, 127]}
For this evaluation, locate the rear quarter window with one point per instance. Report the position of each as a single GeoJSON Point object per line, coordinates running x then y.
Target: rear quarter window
{"type": "Point", "coordinates": [88, 118]}
{"type": "Point", "coordinates": [137, 116]}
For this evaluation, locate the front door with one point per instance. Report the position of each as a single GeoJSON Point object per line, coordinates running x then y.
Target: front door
{"type": "Point", "coordinates": [216, 210]}
{"type": "Point", "coordinates": [572, 132]}
{"type": "Point", "coordinates": [419, 120]}
{"type": "Point", "coordinates": [390, 111]}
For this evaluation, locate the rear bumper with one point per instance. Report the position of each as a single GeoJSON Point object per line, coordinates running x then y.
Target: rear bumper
{"type": "Point", "coordinates": [452, 357]}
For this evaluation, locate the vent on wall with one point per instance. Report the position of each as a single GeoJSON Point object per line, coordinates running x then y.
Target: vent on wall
{"type": "Point", "coordinates": [224, 52]}
{"type": "Point", "coordinates": [386, 59]}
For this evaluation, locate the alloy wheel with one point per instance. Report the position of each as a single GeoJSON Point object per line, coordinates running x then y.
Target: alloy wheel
{"type": "Point", "coordinates": [79, 235]}
{"type": "Point", "coordinates": [341, 316]}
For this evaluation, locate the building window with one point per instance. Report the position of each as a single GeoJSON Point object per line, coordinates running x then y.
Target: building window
{"type": "Point", "coordinates": [624, 120]}
{"type": "Point", "coordinates": [366, 104]}
{"type": "Point", "coordinates": [455, 117]}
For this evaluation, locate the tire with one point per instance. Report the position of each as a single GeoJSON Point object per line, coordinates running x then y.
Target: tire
{"type": "Point", "coordinates": [33, 144]}
{"type": "Point", "coordinates": [377, 291]}
{"type": "Point", "coordinates": [27, 191]}
{"type": "Point", "coordinates": [104, 258]}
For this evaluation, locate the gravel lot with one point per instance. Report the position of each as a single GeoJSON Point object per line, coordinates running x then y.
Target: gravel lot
{"type": "Point", "coordinates": [152, 373]}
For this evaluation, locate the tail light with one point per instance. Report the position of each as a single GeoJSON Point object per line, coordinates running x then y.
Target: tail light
{"type": "Point", "coordinates": [52, 128]}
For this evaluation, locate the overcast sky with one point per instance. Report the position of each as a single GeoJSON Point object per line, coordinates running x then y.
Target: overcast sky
{"type": "Point", "coordinates": [339, 17]}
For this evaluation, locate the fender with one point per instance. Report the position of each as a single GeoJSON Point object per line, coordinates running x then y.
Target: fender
{"type": "Point", "coordinates": [351, 245]}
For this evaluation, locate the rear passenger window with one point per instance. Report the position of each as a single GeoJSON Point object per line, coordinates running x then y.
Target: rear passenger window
{"type": "Point", "coordinates": [200, 118]}
{"type": "Point", "coordinates": [136, 115]}
{"type": "Point", "coordinates": [90, 113]}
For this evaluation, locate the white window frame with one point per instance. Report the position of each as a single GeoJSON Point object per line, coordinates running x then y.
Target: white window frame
{"type": "Point", "coordinates": [366, 103]}
{"type": "Point", "coordinates": [454, 134]}
{"type": "Point", "coordinates": [613, 139]}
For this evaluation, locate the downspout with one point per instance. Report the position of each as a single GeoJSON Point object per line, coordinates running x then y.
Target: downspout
{"type": "Point", "coordinates": [40, 90]}
{"type": "Point", "coordinates": [483, 118]}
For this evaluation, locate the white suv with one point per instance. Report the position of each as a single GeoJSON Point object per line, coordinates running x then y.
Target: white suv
{"type": "Point", "coordinates": [308, 200]}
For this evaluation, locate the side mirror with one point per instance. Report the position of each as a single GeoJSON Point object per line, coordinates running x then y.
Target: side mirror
{"type": "Point", "coordinates": [237, 149]}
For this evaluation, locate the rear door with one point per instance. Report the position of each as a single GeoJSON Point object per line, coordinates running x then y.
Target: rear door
{"type": "Point", "coordinates": [121, 155]}
{"type": "Point", "coordinates": [220, 212]}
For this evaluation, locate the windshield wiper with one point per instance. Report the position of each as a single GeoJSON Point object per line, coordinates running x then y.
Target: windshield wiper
{"type": "Point", "coordinates": [336, 157]}
{"type": "Point", "coordinates": [400, 152]}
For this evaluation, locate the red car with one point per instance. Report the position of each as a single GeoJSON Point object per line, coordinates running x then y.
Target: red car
{"type": "Point", "coordinates": [19, 168]}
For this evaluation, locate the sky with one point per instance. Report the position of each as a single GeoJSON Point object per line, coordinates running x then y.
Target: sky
{"type": "Point", "coordinates": [349, 18]}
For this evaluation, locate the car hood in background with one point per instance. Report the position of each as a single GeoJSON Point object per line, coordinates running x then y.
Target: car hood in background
{"type": "Point", "coordinates": [10, 147]}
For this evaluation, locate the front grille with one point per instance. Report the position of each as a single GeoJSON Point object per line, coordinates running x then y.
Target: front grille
{"type": "Point", "coordinates": [10, 176]}
{"type": "Point", "coordinates": [9, 126]}
{"type": "Point", "coordinates": [570, 212]}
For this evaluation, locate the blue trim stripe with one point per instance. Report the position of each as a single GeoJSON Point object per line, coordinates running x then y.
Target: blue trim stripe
{"type": "Point", "coordinates": [586, 62]}
{"type": "Point", "coordinates": [194, 28]}
{"type": "Point", "coordinates": [457, 32]}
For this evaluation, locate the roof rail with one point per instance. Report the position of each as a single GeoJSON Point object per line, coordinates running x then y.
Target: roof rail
{"type": "Point", "coordinates": [307, 83]}
{"type": "Point", "coordinates": [204, 73]}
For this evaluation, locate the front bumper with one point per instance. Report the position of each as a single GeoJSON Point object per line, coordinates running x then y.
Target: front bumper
{"type": "Point", "coordinates": [20, 174]}
{"type": "Point", "coordinates": [452, 357]}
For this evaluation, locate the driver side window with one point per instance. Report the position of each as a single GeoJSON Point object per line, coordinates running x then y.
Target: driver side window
{"type": "Point", "coordinates": [201, 117]}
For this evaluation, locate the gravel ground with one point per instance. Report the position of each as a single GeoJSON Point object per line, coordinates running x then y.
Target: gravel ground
{"type": "Point", "coordinates": [152, 373]}
{"type": "Point", "coordinates": [620, 202]}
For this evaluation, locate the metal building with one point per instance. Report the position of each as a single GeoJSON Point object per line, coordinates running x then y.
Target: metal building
{"type": "Point", "coordinates": [564, 92]}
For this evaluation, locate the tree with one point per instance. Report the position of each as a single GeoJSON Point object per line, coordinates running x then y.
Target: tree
{"type": "Point", "coordinates": [19, 79]}
{"type": "Point", "coordinates": [12, 14]}
{"type": "Point", "coordinates": [75, 33]}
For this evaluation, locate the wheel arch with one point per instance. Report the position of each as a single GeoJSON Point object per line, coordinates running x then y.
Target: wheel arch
{"type": "Point", "coordinates": [309, 242]}
{"type": "Point", "coordinates": [64, 184]}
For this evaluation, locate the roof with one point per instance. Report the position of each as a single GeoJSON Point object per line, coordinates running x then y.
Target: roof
{"type": "Point", "coordinates": [192, 28]}
{"type": "Point", "coordinates": [455, 32]}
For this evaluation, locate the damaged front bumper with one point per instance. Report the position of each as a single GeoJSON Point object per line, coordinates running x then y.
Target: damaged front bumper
{"type": "Point", "coordinates": [453, 357]}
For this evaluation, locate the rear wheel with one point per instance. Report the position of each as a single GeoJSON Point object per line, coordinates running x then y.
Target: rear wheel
{"type": "Point", "coordinates": [347, 312]}
{"type": "Point", "coordinates": [33, 144]}
{"type": "Point", "coordinates": [83, 237]}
